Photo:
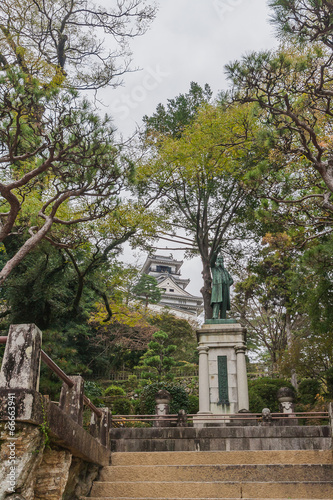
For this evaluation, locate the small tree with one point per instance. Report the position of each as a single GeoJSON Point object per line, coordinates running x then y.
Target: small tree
{"type": "Point", "coordinates": [147, 290]}
{"type": "Point", "coordinates": [158, 359]}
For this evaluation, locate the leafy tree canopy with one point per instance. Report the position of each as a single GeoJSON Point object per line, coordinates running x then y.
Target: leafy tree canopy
{"type": "Point", "coordinates": [178, 113]}
{"type": "Point", "coordinates": [147, 290]}
{"type": "Point", "coordinates": [158, 359]}
{"type": "Point", "coordinates": [85, 45]}
{"type": "Point", "coordinates": [203, 181]}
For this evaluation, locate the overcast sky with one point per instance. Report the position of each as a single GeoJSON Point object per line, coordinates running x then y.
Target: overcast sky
{"type": "Point", "coordinates": [190, 40]}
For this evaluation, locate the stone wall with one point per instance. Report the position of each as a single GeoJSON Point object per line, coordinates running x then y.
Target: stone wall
{"type": "Point", "coordinates": [41, 472]}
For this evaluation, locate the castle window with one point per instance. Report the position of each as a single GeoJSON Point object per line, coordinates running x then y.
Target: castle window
{"type": "Point", "coordinates": [163, 269]}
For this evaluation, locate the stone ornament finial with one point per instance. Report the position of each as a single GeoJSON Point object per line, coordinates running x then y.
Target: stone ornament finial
{"type": "Point", "coordinates": [286, 397]}
{"type": "Point", "coordinates": [266, 416]}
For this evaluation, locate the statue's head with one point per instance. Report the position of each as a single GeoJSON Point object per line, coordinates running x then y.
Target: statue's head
{"type": "Point", "coordinates": [220, 260]}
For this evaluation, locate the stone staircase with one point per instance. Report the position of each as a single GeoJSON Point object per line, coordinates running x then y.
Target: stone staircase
{"type": "Point", "coordinates": [299, 437]}
{"type": "Point", "coordinates": [247, 474]}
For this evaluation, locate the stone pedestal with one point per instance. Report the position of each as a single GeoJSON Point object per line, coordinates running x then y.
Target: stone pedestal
{"type": "Point", "coordinates": [223, 385]}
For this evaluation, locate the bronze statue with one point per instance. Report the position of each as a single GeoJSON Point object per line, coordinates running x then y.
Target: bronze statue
{"type": "Point", "coordinates": [220, 300]}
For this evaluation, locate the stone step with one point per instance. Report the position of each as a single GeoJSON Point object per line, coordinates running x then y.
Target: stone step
{"type": "Point", "coordinates": [216, 489]}
{"type": "Point", "coordinates": [262, 473]}
{"type": "Point", "coordinates": [220, 432]}
{"type": "Point", "coordinates": [151, 498]}
{"type": "Point", "coordinates": [224, 457]}
{"type": "Point", "coordinates": [221, 439]}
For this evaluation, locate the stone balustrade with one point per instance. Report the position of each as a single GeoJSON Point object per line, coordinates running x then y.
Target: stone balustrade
{"type": "Point", "coordinates": [45, 436]}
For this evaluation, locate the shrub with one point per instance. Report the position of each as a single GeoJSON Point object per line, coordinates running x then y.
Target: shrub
{"type": "Point", "coordinates": [121, 406]}
{"type": "Point", "coordinates": [114, 390]}
{"type": "Point", "coordinates": [132, 383]}
{"type": "Point", "coordinates": [308, 390]}
{"type": "Point", "coordinates": [93, 391]}
{"type": "Point", "coordinates": [193, 404]}
{"type": "Point", "coordinates": [256, 403]}
{"type": "Point", "coordinates": [329, 382]}
{"type": "Point", "coordinates": [262, 393]}
{"type": "Point", "coordinates": [178, 394]}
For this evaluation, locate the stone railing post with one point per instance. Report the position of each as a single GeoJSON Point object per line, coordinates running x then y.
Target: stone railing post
{"type": "Point", "coordinates": [100, 428]}
{"type": "Point", "coordinates": [182, 418]}
{"type": "Point", "coordinates": [71, 399]}
{"type": "Point", "coordinates": [21, 361]}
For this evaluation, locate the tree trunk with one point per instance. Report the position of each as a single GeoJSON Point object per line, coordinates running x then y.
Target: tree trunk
{"type": "Point", "coordinates": [206, 290]}
{"type": "Point", "coordinates": [290, 340]}
{"type": "Point", "coordinates": [25, 249]}
{"type": "Point", "coordinates": [288, 331]}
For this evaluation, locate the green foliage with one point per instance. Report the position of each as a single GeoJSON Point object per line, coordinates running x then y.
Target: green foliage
{"type": "Point", "coordinates": [311, 353]}
{"type": "Point", "coordinates": [40, 289]}
{"type": "Point", "coordinates": [114, 390]}
{"type": "Point", "coordinates": [147, 290]}
{"type": "Point", "coordinates": [122, 406]}
{"type": "Point", "coordinates": [158, 359]}
{"type": "Point", "coordinates": [262, 393]}
{"type": "Point", "coordinates": [303, 21]}
{"type": "Point", "coordinates": [179, 112]}
{"type": "Point", "coordinates": [178, 394]}
{"type": "Point", "coordinates": [44, 426]}
{"type": "Point", "coordinates": [193, 404]}
{"type": "Point", "coordinates": [307, 391]}
{"type": "Point", "coordinates": [62, 350]}
{"type": "Point", "coordinates": [132, 384]}
{"type": "Point", "coordinates": [318, 285]}
{"type": "Point", "coordinates": [77, 37]}
{"type": "Point", "coordinates": [93, 391]}
{"type": "Point", "coordinates": [328, 375]}
{"type": "Point", "coordinates": [181, 334]}
{"type": "Point", "coordinates": [268, 299]}
{"type": "Point", "coordinates": [200, 170]}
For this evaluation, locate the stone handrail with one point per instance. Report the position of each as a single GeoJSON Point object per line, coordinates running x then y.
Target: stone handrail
{"type": "Point", "coordinates": [62, 375]}
{"type": "Point", "coordinates": [19, 376]}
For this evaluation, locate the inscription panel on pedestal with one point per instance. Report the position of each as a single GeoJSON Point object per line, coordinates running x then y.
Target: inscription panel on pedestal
{"type": "Point", "coordinates": [222, 369]}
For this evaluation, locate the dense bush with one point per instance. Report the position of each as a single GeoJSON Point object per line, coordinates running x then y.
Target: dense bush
{"type": "Point", "coordinates": [263, 391]}
{"type": "Point", "coordinates": [114, 390]}
{"type": "Point", "coordinates": [93, 391]}
{"type": "Point", "coordinates": [122, 406]}
{"type": "Point", "coordinates": [329, 382]}
{"type": "Point", "coordinates": [193, 404]}
{"type": "Point", "coordinates": [178, 394]}
{"type": "Point", "coordinates": [307, 391]}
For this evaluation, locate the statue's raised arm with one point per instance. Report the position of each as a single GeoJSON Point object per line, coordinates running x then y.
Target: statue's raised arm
{"type": "Point", "coordinates": [220, 300]}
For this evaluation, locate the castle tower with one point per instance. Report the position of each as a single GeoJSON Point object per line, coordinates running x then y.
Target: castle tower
{"type": "Point", "coordinates": [166, 270]}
